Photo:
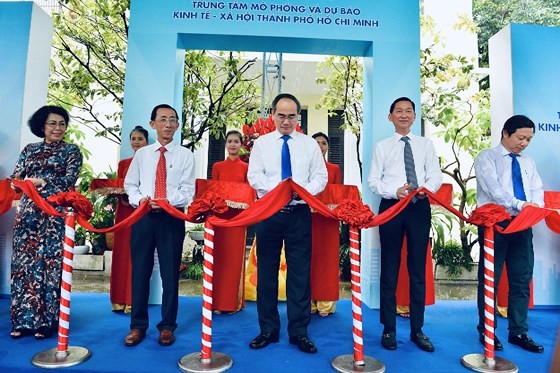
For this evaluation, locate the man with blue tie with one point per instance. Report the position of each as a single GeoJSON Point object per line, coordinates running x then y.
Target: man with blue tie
{"type": "Point", "coordinates": [508, 178]}
{"type": "Point", "coordinates": [400, 164]}
{"type": "Point", "coordinates": [276, 156]}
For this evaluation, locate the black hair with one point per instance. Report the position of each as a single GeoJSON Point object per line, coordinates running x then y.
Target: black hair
{"type": "Point", "coordinates": [399, 100]}
{"type": "Point", "coordinates": [321, 134]}
{"type": "Point", "coordinates": [288, 96]}
{"type": "Point", "coordinates": [37, 121]}
{"type": "Point", "coordinates": [140, 129]}
{"type": "Point", "coordinates": [162, 106]}
{"type": "Point", "coordinates": [517, 121]}
{"type": "Point", "coordinates": [235, 132]}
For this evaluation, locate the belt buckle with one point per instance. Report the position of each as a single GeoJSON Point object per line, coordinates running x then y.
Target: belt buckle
{"type": "Point", "coordinates": [287, 209]}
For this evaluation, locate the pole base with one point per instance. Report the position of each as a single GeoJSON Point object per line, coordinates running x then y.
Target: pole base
{"type": "Point", "coordinates": [50, 359]}
{"type": "Point", "coordinates": [345, 363]}
{"type": "Point", "coordinates": [192, 363]}
{"type": "Point", "coordinates": [479, 363]}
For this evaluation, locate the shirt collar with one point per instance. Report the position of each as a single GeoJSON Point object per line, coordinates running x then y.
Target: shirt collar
{"type": "Point", "coordinates": [397, 136]}
{"type": "Point", "coordinates": [504, 151]}
{"type": "Point", "coordinates": [169, 147]}
{"type": "Point", "coordinates": [278, 135]}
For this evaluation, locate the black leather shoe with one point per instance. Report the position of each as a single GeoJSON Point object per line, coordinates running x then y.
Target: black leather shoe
{"type": "Point", "coordinates": [264, 339]}
{"type": "Point", "coordinates": [525, 342]}
{"type": "Point", "coordinates": [422, 341]}
{"type": "Point", "coordinates": [498, 346]}
{"type": "Point", "coordinates": [389, 340]}
{"type": "Point", "coordinates": [304, 344]}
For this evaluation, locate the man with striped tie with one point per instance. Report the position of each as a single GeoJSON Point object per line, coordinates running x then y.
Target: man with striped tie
{"type": "Point", "coordinates": [276, 156]}
{"type": "Point", "coordinates": [162, 170]}
{"type": "Point", "coordinates": [400, 164]}
{"type": "Point", "coordinates": [509, 178]}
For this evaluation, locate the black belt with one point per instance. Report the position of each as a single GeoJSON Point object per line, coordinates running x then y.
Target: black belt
{"type": "Point", "coordinates": [160, 211]}
{"type": "Point", "coordinates": [288, 209]}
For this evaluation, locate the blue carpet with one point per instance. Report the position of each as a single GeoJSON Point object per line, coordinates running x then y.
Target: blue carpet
{"type": "Point", "coordinates": [450, 325]}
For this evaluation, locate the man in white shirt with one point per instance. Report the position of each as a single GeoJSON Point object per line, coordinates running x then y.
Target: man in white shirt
{"type": "Point", "coordinates": [278, 155]}
{"type": "Point", "coordinates": [400, 164]}
{"type": "Point", "coordinates": [508, 178]}
{"type": "Point", "coordinates": [163, 170]}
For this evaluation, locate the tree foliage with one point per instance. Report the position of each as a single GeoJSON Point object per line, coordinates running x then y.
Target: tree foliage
{"type": "Point", "coordinates": [454, 104]}
{"type": "Point", "coordinates": [343, 76]}
{"type": "Point", "coordinates": [493, 15]}
{"type": "Point", "coordinates": [218, 93]}
{"type": "Point", "coordinates": [89, 59]}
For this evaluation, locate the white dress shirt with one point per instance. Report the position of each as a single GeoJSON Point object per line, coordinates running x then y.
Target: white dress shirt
{"type": "Point", "coordinates": [140, 179]}
{"type": "Point", "coordinates": [387, 172]}
{"type": "Point", "coordinates": [494, 183]}
{"type": "Point", "coordinates": [265, 163]}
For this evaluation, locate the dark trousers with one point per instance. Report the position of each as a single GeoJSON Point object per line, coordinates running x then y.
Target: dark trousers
{"type": "Point", "coordinates": [414, 221]}
{"type": "Point", "coordinates": [294, 230]}
{"type": "Point", "coordinates": [516, 250]}
{"type": "Point", "coordinates": [165, 232]}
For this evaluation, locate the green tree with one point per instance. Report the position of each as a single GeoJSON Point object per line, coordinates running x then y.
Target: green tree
{"type": "Point", "coordinates": [454, 104]}
{"type": "Point", "coordinates": [493, 15]}
{"type": "Point", "coordinates": [89, 59]}
{"type": "Point", "coordinates": [218, 93]}
{"type": "Point", "coordinates": [343, 76]}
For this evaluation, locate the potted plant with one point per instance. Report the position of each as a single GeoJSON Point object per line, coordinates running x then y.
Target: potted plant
{"type": "Point", "coordinates": [103, 217]}
{"type": "Point", "coordinates": [451, 256]}
{"type": "Point", "coordinates": [80, 246]}
{"type": "Point", "coordinates": [194, 270]}
{"type": "Point", "coordinates": [196, 233]}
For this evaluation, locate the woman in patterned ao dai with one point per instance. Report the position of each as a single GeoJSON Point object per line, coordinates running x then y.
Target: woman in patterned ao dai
{"type": "Point", "coordinates": [52, 166]}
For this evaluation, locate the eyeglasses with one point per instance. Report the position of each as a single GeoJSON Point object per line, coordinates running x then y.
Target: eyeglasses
{"type": "Point", "coordinates": [283, 117]}
{"type": "Point", "coordinates": [167, 120]}
{"type": "Point", "coordinates": [54, 124]}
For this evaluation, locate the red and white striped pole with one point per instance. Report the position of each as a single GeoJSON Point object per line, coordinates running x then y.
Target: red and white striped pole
{"type": "Point", "coordinates": [488, 362]}
{"type": "Point", "coordinates": [63, 355]}
{"type": "Point", "coordinates": [207, 293]}
{"type": "Point", "coordinates": [355, 280]}
{"type": "Point", "coordinates": [206, 360]}
{"type": "Point", "coordinates": [66, 283]}
{"type": "Point", "coordinates": [356, 362]}
{"type": "Point", "coordinates": [489, 295]}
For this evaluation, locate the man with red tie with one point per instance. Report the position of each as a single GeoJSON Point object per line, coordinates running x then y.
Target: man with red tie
{"type": "Point", "coordinates": [507, 177]}
{"type": "Point", "coordinates": [276, 156]}
{"type": "Point", "coordinates": [162, 170]}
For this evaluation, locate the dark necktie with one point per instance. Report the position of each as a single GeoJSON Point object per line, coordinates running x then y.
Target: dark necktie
{"type": "Point", "coordinates": [286, 160]}
{"type": "Point", "coordinates": [516, 178]}
{"type": "Point", "coordinates": [161, 176]}
{"type": "Point", "coordinates": [409, 163]}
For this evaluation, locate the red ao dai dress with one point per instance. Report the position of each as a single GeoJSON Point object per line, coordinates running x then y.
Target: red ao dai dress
{"type": "Point", "coordinates": [229, 245]}
{"type": "Point", "coordinates": [325, 255]}
{"type": "Point", "coordinates": [121, 268]}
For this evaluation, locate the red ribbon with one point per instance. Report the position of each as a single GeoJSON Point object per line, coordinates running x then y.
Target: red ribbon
{"type": "Point", "coordinates": [488, 215]}
{"type": "Point", "coordinates": [350, 210]}
{"type": "Point", "coordinates": [7, 195]}
{"type": "Point", "coordinates": [81, 205]}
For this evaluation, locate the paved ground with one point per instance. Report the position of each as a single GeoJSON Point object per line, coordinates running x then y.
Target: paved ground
{"type": "Point", "coordinates": [92, 282]}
